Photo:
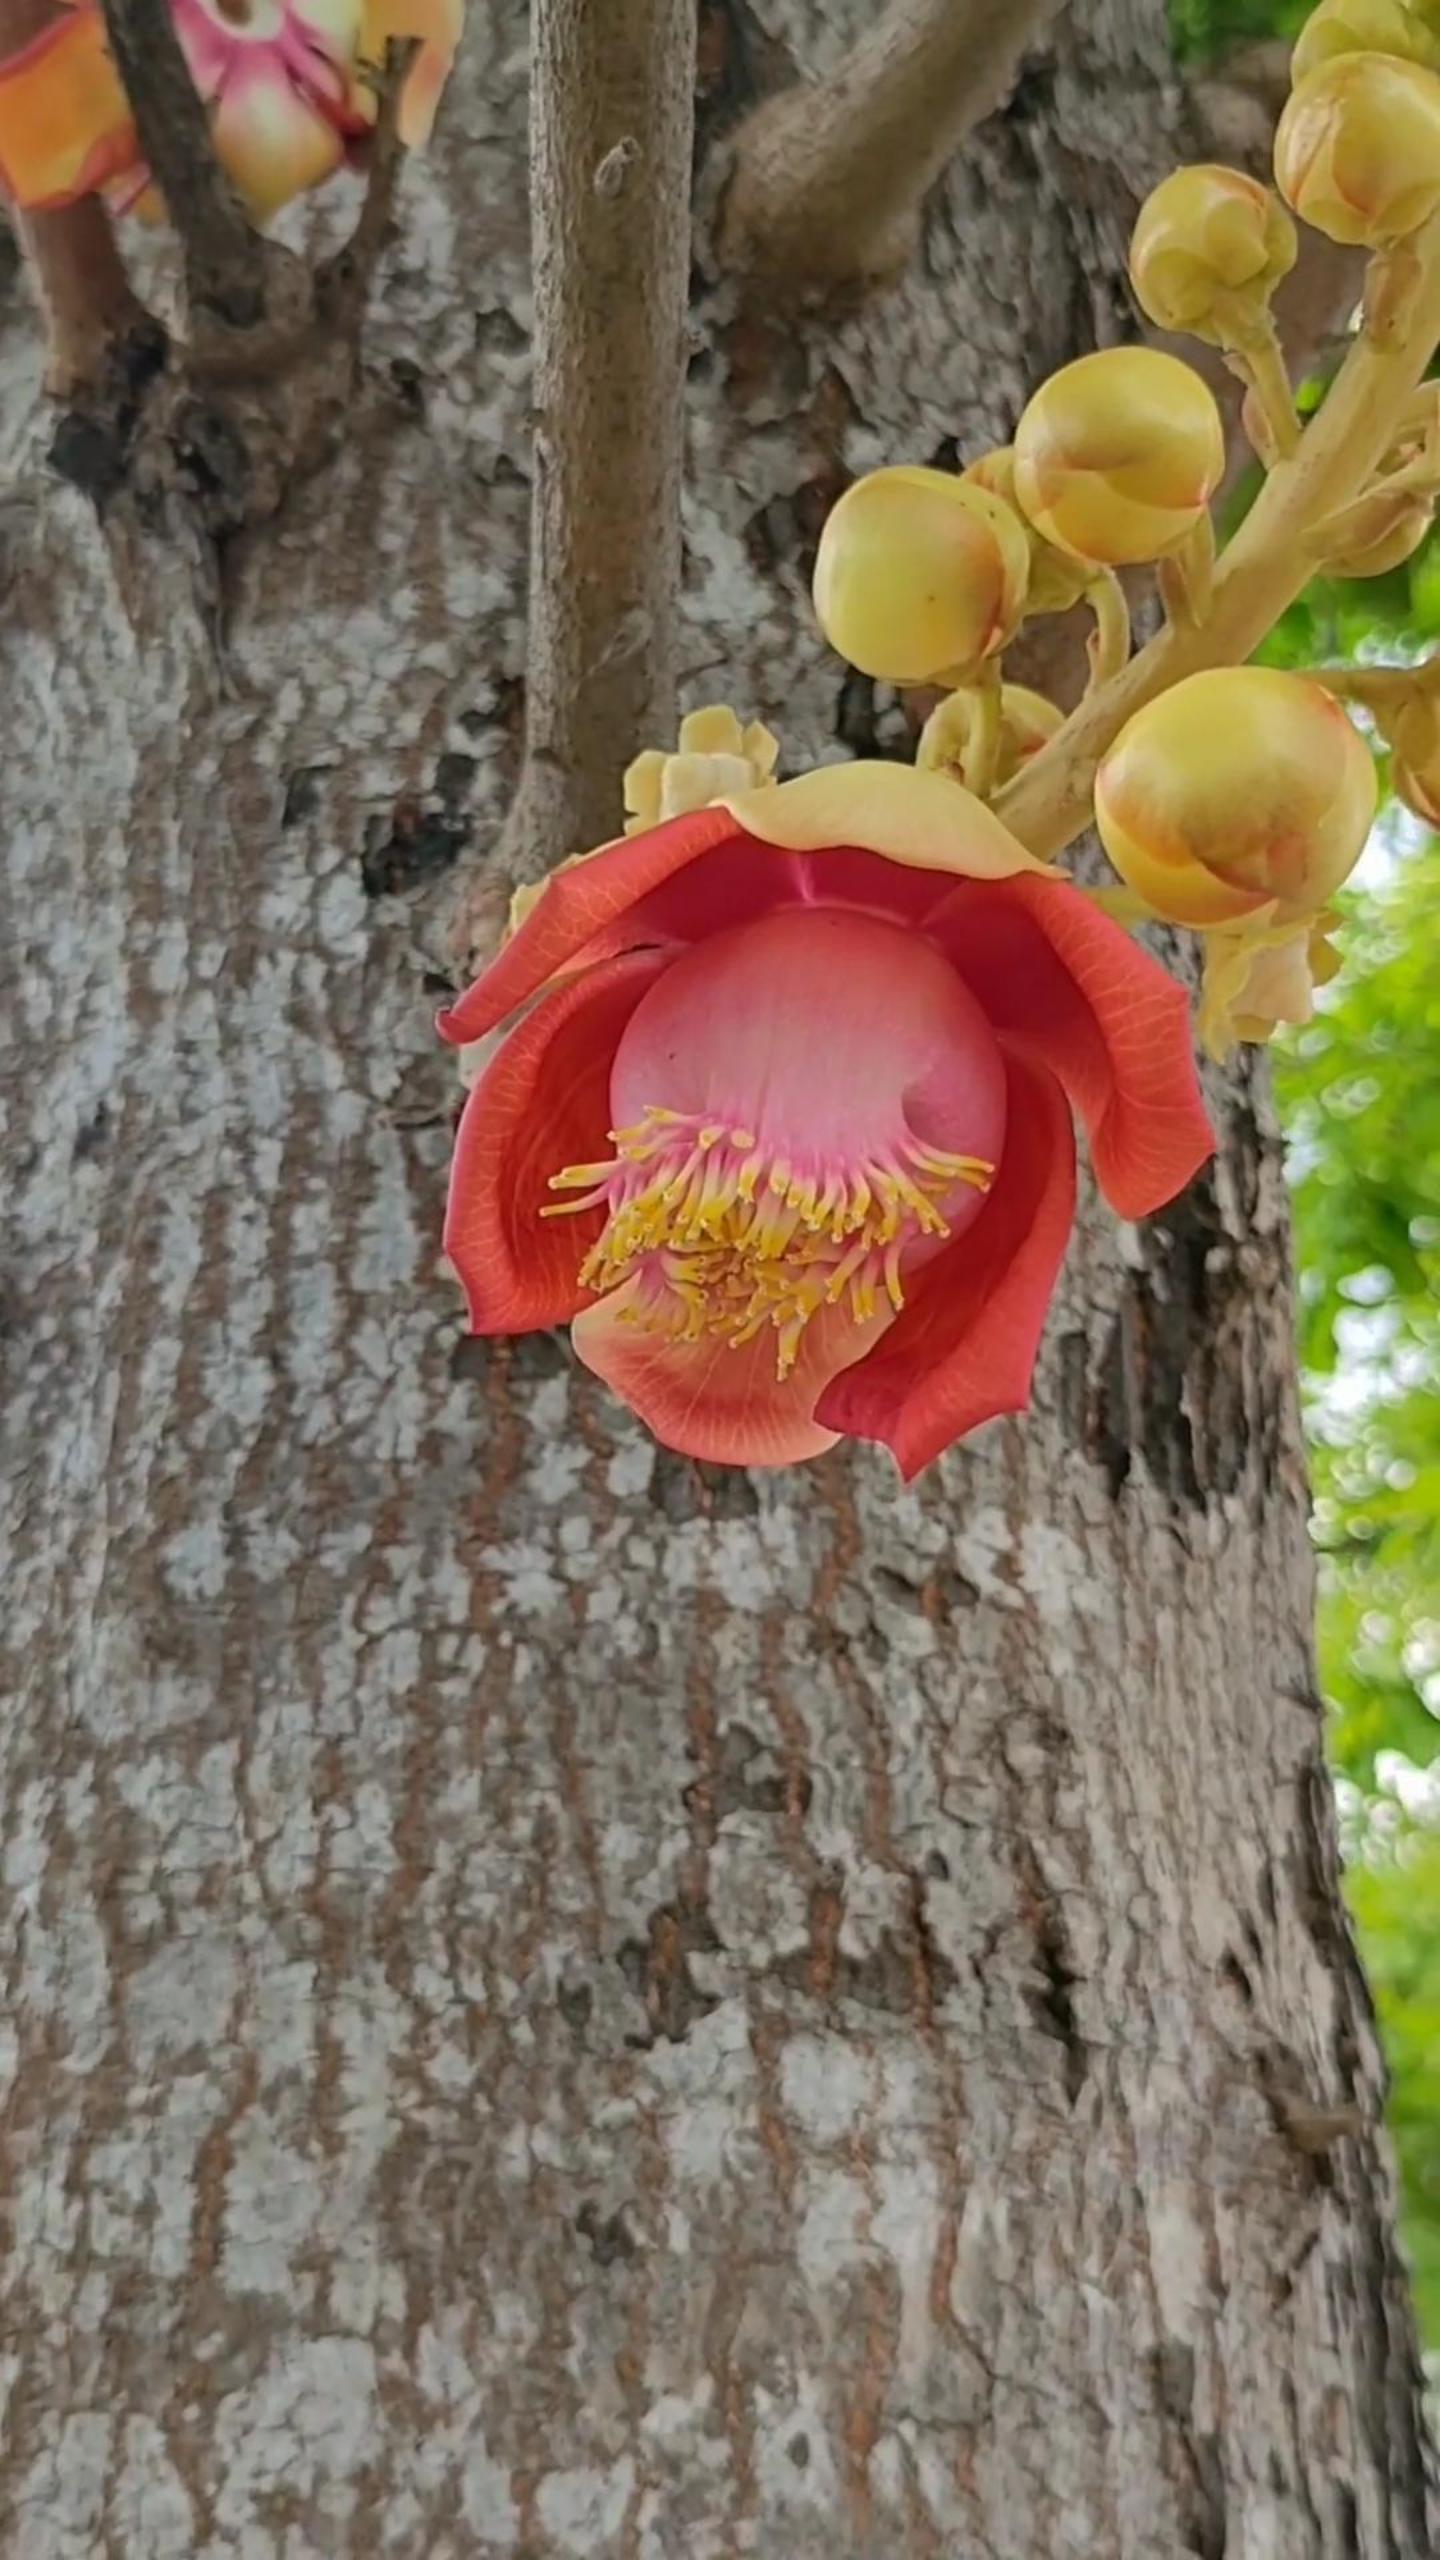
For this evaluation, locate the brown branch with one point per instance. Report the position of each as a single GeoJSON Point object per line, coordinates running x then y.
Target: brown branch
{"type": "Point", "coordinates": [828, 180]}
{"type": "Point", "coordinates": [611, 136]}
{"type": "Point", "coordinates": [226, 263]}
{"type": "Point", "coordinates": [90, 307]}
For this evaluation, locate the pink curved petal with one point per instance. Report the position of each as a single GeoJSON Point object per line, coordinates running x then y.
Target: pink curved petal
{"type": "Point", "coordinates": [710, 1401]}
{"type": "Point", "coordinates": [965, 1348]}
{"type": "Point", "coordinates": [65, 126]}
{"type": "Point", "coordinates": [542, 1103]}
{"type": "Point", "coordinates": [686, 891]}
{"type": "Point", "coordinates": [1066, 986]}
{"type": "Point", "coordinates": [579, 904]}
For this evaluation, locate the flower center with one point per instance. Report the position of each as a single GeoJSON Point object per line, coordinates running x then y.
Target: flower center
{"type": "Point", "coordinates": [806, 1108]}
{"type": "Point", "coordinates": [726, 1239]}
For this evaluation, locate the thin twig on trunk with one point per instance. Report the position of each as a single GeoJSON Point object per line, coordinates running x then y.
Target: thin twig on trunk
{"type": "Point", "coordinates": [226, 264]}
{"type": "Point", "coordinates": [611, 135]}
{"type": "Point", "coordinates": [344, 280]}
{"type": "Point", "coordinates": [829, 178]}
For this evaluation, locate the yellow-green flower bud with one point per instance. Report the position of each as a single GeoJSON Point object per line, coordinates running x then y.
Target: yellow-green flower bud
{"type": "Point", "coordinates": [1118, 456]}
{"type": "Point", "coordinates": [1362, 26]}
{"type": "Point", "coordinates": [1357, 150]}
{"type": "Point", "coordinates": [920, 576]}
{"type": "Point", "coordinates": [1240, 788]}
{"type": "Point", "coordinates": [1027, 722]}
{"type": "Point", "coordinates": [1208, 250]}
{"type": "Point", "coordinates": [1056, 581]}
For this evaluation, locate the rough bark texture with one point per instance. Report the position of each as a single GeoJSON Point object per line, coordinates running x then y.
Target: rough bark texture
{"type": "Point", "coordinates": [559, 2003]}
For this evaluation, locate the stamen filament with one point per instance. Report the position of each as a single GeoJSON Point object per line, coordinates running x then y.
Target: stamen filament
{"type": "Point", "coordinates": [725, 1240]}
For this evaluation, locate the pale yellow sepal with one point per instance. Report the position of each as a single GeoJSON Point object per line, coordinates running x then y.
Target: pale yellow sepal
{"type": "Point", "coordinates": [715, 757]}
{"type": "Point", "coordinates": [1261, 976]}
{"type": "Point", "coordinates": [924, 820]}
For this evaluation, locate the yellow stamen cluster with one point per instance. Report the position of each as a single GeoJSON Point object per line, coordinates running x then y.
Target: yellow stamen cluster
{"type": "Point", "coordinates": [727, 1239]}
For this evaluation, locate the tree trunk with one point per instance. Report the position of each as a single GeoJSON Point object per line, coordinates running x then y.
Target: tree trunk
{"type": "Point", "coordinates": [563, 2002]}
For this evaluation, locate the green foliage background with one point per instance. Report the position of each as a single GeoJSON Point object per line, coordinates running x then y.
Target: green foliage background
{"type": "Point", "coordinates": [1360, 1091]}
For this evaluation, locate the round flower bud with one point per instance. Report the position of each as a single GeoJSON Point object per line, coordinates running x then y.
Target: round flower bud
{"type": "Point", "coordinates": [1357, 150]}
{"type": "Point", "coordinates": [1027, 722]}
{"type": "Point", "coordinates": [1056, 581]}
{"type": "Point", "coordinates": [1118, 456]}
{"type": "Point", "coordinates": [920, 576]}
{"type": "Point", "coordinates": [1208, 250]}
{"type": "Point", "coordinates": [1361, 26]}
{"type": "Point", "coordinates": [1414, 735]}
{"type": "Point", "coordinates": [1240, 788]}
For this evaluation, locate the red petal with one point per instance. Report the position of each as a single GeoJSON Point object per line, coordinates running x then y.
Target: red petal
{"type": "Point", "coordinates": [701, 876]}
{"type": "Point", "coordinates": [578, 905]}
{"type": "Point", "coordinates": [542, 1103]}
{"type": "Point", "coordinates": [965, 1347]}
{"type": "Point", "coordinates": [1066, 986]}
{"type": "Point", "coordinates": [710, 1401]}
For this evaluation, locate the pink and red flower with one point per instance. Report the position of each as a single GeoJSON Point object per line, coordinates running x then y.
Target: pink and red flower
{"type": "Point", "coordinates": [289, 85]}
{"type": "Point", "coordinates": [782, 1126]}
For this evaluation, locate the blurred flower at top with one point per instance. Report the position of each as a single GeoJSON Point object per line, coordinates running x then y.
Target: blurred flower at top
{"type": "Point", "coordinates": [437, 25]}
{"type": "Point", "coordinates": [277, 76]}
{"type": "Point", "coordinates": [290, 86]}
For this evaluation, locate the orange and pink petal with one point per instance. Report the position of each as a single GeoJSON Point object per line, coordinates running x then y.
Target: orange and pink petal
{"type": "Point", "coordinates": [65, 124]}
{"type": "Point", "coordinates": [1068, 987]}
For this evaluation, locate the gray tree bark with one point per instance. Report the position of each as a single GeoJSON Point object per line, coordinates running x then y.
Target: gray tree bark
{"type": "Point", "coordinates": [558, 2002]}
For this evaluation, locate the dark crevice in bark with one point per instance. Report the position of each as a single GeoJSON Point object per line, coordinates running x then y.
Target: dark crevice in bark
{"type": "Point", "coordinates": [1051, 2001]}
{"type": "Point", "coordinates": [608, 2237]}
{"type": "Point", "coordinates": [657, 1969]}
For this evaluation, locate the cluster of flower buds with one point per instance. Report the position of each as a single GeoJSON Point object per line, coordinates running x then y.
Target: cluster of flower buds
{"type": "Point", "coordinates": [1237, 802]}
{"type": "Point", "coordinates": [923, 576]}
